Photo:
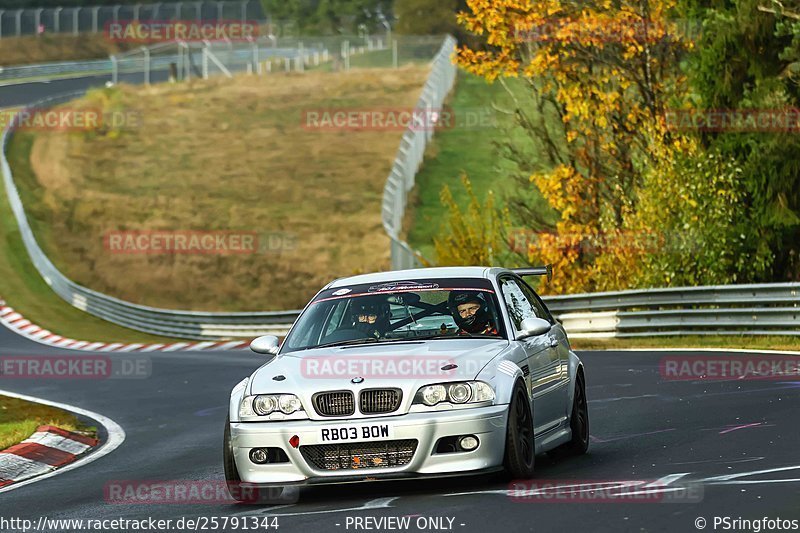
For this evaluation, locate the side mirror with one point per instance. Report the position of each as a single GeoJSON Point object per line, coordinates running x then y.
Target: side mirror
{"type": "Point", "coordinates": [266, 344]}
{"type": "Point", "coordinates": [533, 327]}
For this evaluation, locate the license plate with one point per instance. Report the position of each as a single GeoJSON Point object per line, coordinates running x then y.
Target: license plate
{"type": "Point", "coordinates": [356, 433]}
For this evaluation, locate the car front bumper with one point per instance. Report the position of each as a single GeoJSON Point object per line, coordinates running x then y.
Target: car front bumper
{"type": "Point", "coordinates": [487, 423]}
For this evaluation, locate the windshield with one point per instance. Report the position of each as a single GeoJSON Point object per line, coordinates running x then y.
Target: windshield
{"type": "Point", "coordinates": [388, 312]}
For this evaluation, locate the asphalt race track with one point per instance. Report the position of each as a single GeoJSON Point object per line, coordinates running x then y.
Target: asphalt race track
{"type": "Point", "coordinates": [26, 93]}
{"type": "Point", "coordinates": [643, 428]}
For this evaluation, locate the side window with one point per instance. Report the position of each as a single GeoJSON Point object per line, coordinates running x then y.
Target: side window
{"type": "Point", "coordinates": [536, 302]}
{"type": "Point", "coordinates": [518, 305]}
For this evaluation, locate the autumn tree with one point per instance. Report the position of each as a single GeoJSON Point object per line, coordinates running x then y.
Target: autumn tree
{"type": "Point", "coordinates": [605, 72]}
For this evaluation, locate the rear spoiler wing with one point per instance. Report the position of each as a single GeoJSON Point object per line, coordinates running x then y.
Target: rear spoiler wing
{"type": "Point", "coordinates": [546, 270]}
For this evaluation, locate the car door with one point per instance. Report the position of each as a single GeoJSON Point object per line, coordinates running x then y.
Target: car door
{"type": "Point", "coordinates": [541, 357]}
{"type": "Point", "coordinates": [560, 344]}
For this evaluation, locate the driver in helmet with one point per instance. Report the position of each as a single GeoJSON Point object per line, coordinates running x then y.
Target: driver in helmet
{"type": "Point", "coordinates": [470, 310]}
{"type": "Point", "coordinates": [371, 315]}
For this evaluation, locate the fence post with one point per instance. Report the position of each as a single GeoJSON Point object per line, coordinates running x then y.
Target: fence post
{"type": "Point", "coordinates": [198, 10]}
{"type": "Point", "coordinates": [115, 12]}
{"type": "Point", "coordinates": [57, 19]}
{"type": "Point", "coordinates": [18, 22]}
{"type": "Point", "coordinates": [205, 62]}
{"type": "Point", "coordinates": [2, 11]}
{"type": "Point", "coordinates": [95, 17]}
{"type": "Point", "coordinates": [75, 12]}
{"type": "Point", "coordinates": [395, 57]}
{"type": "Point", "coordinates": [220, 10]}
{"type": "Point", "coordinates": [146, 52]}
{"type": "Point", "coordinates": [37, 19]}
{"type": "Point", "coordinates": [187, 64]}
{"type": "Point", "coordinates": [346, 54]}
{"type": "Point", "coordinates": [256, 62]}
{"type": "Point", "coordinates": [136, 9]}
{"type": "Point", "coordinates": [156, 10]}
{"type": "Point", "coordinates": [244, 10]}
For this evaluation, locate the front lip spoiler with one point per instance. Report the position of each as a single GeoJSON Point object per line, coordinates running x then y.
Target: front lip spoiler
{"type": "Point", "coordinates": [394, 476]}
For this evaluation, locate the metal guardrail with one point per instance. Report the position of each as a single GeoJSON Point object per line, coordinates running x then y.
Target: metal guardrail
{"type": "Point", "coordinates": [54, 70]}
{"type": "Point", "coordinates": [762, 309]}
{"type": "Point", "coordinates": [243, 54]}
{"type": "Point", "coordinates": [410, 154]}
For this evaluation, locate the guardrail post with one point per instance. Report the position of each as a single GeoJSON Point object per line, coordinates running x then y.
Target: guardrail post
{"type": "Point", "coordinates": [114, 69]}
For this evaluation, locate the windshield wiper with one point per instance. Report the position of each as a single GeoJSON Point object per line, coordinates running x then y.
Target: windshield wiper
{"type": "Point", "coordinates": [365, 340]}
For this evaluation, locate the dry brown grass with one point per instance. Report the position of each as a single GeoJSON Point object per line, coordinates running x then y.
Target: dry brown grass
{"type": "Point", "coordinates": [221, 155]}
{"type": "Point", "coordinates": [57, 47]}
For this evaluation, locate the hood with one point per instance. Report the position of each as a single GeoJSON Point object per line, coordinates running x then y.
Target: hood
{"type": "Point", "coordinates": [404, 365]}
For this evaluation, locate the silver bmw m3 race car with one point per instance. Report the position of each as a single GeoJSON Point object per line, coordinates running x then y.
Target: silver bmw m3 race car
{"type": "Point", "coordinates": [437, 371]}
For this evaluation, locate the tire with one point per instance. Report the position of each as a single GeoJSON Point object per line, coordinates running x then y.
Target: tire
{"type": "Point", "coordinates": [232, 478]}
{"type": "Point", "coordinates": [520, 454]}
{"type": "Point", "coordinates": [247, 493]}
{"type": "Point", "coordinates": [579, 421]}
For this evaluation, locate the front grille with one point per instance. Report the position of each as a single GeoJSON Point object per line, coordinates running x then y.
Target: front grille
{"type": "Point", "coordinates": [375, 401]}
{"type": "Point", "coordinates": [337, 403]}
{"type": "Point", "coordinates": [359, 455]}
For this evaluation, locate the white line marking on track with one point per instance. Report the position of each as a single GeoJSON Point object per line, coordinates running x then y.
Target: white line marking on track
{"type": "Point", "coordinates": [379, 503]}
{"type": "Point", "coordinates": [116, 436]}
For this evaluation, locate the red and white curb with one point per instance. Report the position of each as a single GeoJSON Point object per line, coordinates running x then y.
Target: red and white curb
{"type": "Point", "coordinates": [44, 451]}
{"type": "Point", "coordinates": [20, 325]}
{"type": "Point", "coordinates": [34, 462]}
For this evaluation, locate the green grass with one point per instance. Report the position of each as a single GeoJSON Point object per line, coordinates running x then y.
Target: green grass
{"type": "Point", "coordinates": [472, 150]}
{"type": "Point", "coordinates": [23, 288]}
{"type": "Point", "coordinates": [731, 341]}
{"type": "Point", "coordinates": [19, 420]}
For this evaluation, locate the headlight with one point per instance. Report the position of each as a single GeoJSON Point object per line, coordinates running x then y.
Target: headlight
{"type": "Point", "coordinates": [481, 392]}
{"type": "Point", "coordinates": [289, 403]}
{"type": "Point", "coordinates": [457, 393]}
{"type": "Point", "coordinates": [433, 394]}
{"type": "Point", "coordinates": [264, 405]}
{"type": "Point", "coordinates": [267, 404]}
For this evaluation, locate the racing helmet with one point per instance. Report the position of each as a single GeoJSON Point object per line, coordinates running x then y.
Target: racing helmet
{"type": "Point", "coordinates": [474, 323]}
{"type": "Point", "coordinates": [371, 305]}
